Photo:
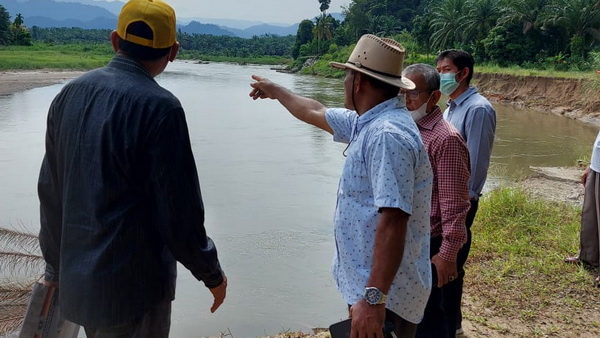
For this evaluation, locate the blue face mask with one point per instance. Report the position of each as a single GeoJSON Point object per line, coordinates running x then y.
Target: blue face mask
{"type": "Point", "coordinates": [448, 83]}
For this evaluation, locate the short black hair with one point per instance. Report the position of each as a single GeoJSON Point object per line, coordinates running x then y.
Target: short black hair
{"type": "Point", "coordinates": [139, 52]}
{"type": "Point", "coordinates": [462, 59]}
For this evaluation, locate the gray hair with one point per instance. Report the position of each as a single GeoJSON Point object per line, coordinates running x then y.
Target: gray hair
{"type": "Point", "coordinates": [432, 76]}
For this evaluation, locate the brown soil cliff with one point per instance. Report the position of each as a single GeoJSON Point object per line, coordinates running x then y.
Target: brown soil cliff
{"type": "Point", "coordinates": [577, 99]}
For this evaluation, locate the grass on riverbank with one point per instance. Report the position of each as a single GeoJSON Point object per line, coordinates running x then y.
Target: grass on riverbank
{"type": "Point", "coordinates": [517, 284]}
{"type": "Point", "coordinates": [44, 56]}
{"type": "Point", "coordinates": [90, 56]}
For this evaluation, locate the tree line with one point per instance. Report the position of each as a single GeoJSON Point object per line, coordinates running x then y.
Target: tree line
{"type": "Point", "coordinates": [564, 34]}
{"type": "Point", "coordinates": [13, 33]}
{"type": "Point", "coordinates": [532, 33]}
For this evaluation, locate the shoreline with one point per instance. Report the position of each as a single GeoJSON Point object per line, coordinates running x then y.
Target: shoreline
{"type": "Point", "coordinates": [15, 81]}
{"type": "Point", "coordinates": [569, 98]}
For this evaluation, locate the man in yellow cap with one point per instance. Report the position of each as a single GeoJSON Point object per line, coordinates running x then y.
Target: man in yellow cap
{"type": "Point", "coordinates": [381, 264]}
{"type": "Point", "coordinates": [120, 201]}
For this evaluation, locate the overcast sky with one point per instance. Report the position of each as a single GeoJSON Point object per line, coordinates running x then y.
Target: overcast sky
{"type": "Point", "coordinates": [268, 11]}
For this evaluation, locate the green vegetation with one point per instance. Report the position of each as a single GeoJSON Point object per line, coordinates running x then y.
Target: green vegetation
{"type": "Point", "coordinates": [517, 273]}
{"type": "Point", "coordinates": [529, 37]}
{"type": "Point", "coordinates": [41, 56]}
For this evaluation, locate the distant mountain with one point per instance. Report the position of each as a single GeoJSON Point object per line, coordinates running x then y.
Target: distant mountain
{"type": "Point", "coordinates": [112, 6]}
{"type": "Point", "coordinates": [90, 14]}
{"type": "Point", "coordinates": [196, 27]}
{"type": "Point", "coordinates": [97, 23]}
{"type": "Point", "coordinates": [264, 29]}
{"type": "Point", "coordinates": [57, 11]}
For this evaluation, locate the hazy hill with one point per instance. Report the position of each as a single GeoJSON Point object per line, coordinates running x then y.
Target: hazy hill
{"type": "Point", "coordinates": [90, 14]}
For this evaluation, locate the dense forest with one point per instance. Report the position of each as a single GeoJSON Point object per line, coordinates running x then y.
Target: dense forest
{"type": "Point", "coordinates": [559, 34]}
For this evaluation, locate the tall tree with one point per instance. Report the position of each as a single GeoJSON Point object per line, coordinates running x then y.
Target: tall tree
{"type": "Point", "coordinates": [18, 21]}
{"type": "Point", "coordinates": [5, 37]}
{"type": "Point", "coordinates": [324, 6]}
{"type": "Point", "coordinates": [581, 21]}
{"type": "Point", "coordinates": [304, 35]}
{"type": "Point", "coordinates": [446, 23]}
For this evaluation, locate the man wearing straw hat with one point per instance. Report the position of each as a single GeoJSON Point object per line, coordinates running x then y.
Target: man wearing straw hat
{"type": "Point", "coordinates": [381, 264]}
{"type": "Point", "coordinates": [118, 187]}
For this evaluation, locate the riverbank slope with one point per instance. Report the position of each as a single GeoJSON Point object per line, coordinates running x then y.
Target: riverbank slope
{"type": "Point", "coordinates": [573, 98]}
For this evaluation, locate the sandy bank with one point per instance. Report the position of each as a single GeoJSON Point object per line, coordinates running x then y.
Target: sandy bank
{"type": "Point", "coordinates": [17, 81]}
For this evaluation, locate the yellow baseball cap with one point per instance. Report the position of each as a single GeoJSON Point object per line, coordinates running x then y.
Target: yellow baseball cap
{"type": "Point", "coordinates": [159, 17]}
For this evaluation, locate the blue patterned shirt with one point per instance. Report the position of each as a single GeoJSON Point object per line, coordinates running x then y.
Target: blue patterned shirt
{"type": "Point", "coordinates": [387, 166]}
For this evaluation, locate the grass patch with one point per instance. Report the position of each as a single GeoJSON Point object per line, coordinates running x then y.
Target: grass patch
{"type": "Point", "coordinates": [46, 56]}
{"type": "Point", "coordinates": [516, 273]}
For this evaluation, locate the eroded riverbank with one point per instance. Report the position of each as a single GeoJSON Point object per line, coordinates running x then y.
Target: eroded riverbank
{"type": "Point", "coordinates": [573, 98]}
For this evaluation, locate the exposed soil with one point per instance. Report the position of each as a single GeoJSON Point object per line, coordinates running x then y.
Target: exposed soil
{"type": "Point", "coordinates": [573, 98]}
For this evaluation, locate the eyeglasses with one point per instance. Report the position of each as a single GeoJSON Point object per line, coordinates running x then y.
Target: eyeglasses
{"type": "Point", "coordinates": [414, 94]}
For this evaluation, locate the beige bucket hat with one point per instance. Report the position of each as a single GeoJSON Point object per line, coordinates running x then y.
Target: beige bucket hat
{"type": "Point", "coordinates": [380, 58]}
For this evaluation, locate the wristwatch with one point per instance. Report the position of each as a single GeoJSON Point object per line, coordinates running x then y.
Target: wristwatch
{"type": "Point", "coordinates": [374, 296]}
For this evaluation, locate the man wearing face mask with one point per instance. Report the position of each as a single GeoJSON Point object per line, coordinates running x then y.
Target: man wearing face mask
{"type": "Point", "coordinates": [450, 204]}
{"type": "Point", "coordinates": [475, 119]}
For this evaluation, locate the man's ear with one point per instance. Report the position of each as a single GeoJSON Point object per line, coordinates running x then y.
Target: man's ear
{"type": "Point", "coordinates": [174, 51]}
{"type": "Point", "coordinates": [464, 74]}
{"type": "Point", "coordinates": [435, 96]}
{"type": "Point", "coordinates": [114, 39]}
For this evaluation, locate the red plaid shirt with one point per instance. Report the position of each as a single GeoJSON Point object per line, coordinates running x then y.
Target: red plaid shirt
{"type": "Point", "coordinates": [450, 203]}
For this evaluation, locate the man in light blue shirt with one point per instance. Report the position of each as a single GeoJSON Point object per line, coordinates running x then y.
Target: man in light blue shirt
{"type": "Point", "coordinates": [381, 264]}
{"type": "Point", "coordinates": [475, 118]}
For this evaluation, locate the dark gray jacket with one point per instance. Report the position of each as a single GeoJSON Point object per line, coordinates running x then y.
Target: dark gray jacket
{"type": "Point", "coordinates": [120, 198]}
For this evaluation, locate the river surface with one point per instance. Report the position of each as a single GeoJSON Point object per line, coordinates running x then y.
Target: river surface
{"type": "Point", "coordinates": [268, 183]}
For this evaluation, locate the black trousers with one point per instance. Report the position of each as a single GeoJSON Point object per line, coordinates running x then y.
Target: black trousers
{"type": "Point", "coordinates": [452, 292]}
{"type": "Point", "coordinates": [155, 323]}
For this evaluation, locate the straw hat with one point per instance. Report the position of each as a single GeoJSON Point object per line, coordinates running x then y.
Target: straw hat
{"type": "Point", "coordinates": [380, 58]}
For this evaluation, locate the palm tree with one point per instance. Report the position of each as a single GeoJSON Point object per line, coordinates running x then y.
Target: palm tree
{"type": "Point", "coordinates": [324, 6]}
{"type": "Point", "coordinates": [530, 13]}
{"type": "Point", "coordinates": [581, 20]}
{"type": "Point", "coordinates": [446, 23]}
{"type": "Point", "coordinates": [21, 265]}
{"type": "Point", "coordinates": [323, 30]}
{"type": "Point", "coordinates": [18, 21]}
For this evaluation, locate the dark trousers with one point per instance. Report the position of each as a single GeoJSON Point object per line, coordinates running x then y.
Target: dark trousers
{"type": "Point", "coordinates": [155, 323]}
{"type": "Point", "coordinates": [452, 292]}
{"type": "Point", "coordinates": [589, 251]}
{"type": "Point", "coordinates": [435, 322]}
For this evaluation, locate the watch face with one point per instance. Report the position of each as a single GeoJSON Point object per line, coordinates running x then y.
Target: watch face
{"type": "Point", "coordinates": [372, 295]}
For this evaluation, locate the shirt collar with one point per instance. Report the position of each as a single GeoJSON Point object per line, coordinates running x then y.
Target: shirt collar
{"type": "Point", "coordinates": [462, 97]}
{"type": "Point", "coordinates": [124, 62]}
{"type": "Point", "coordinates": [372, 113]}
{"type": "Point", "coordinates": [430, 120]}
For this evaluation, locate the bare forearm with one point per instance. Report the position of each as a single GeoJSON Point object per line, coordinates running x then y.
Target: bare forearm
{"type": "Point", "coordinates": [389, 248]}
{"type": "Point", "coordinates": [303, 108]}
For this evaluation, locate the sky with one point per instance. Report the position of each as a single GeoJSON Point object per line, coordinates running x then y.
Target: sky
{"type": "Point", "coordinates": [267, 11]}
